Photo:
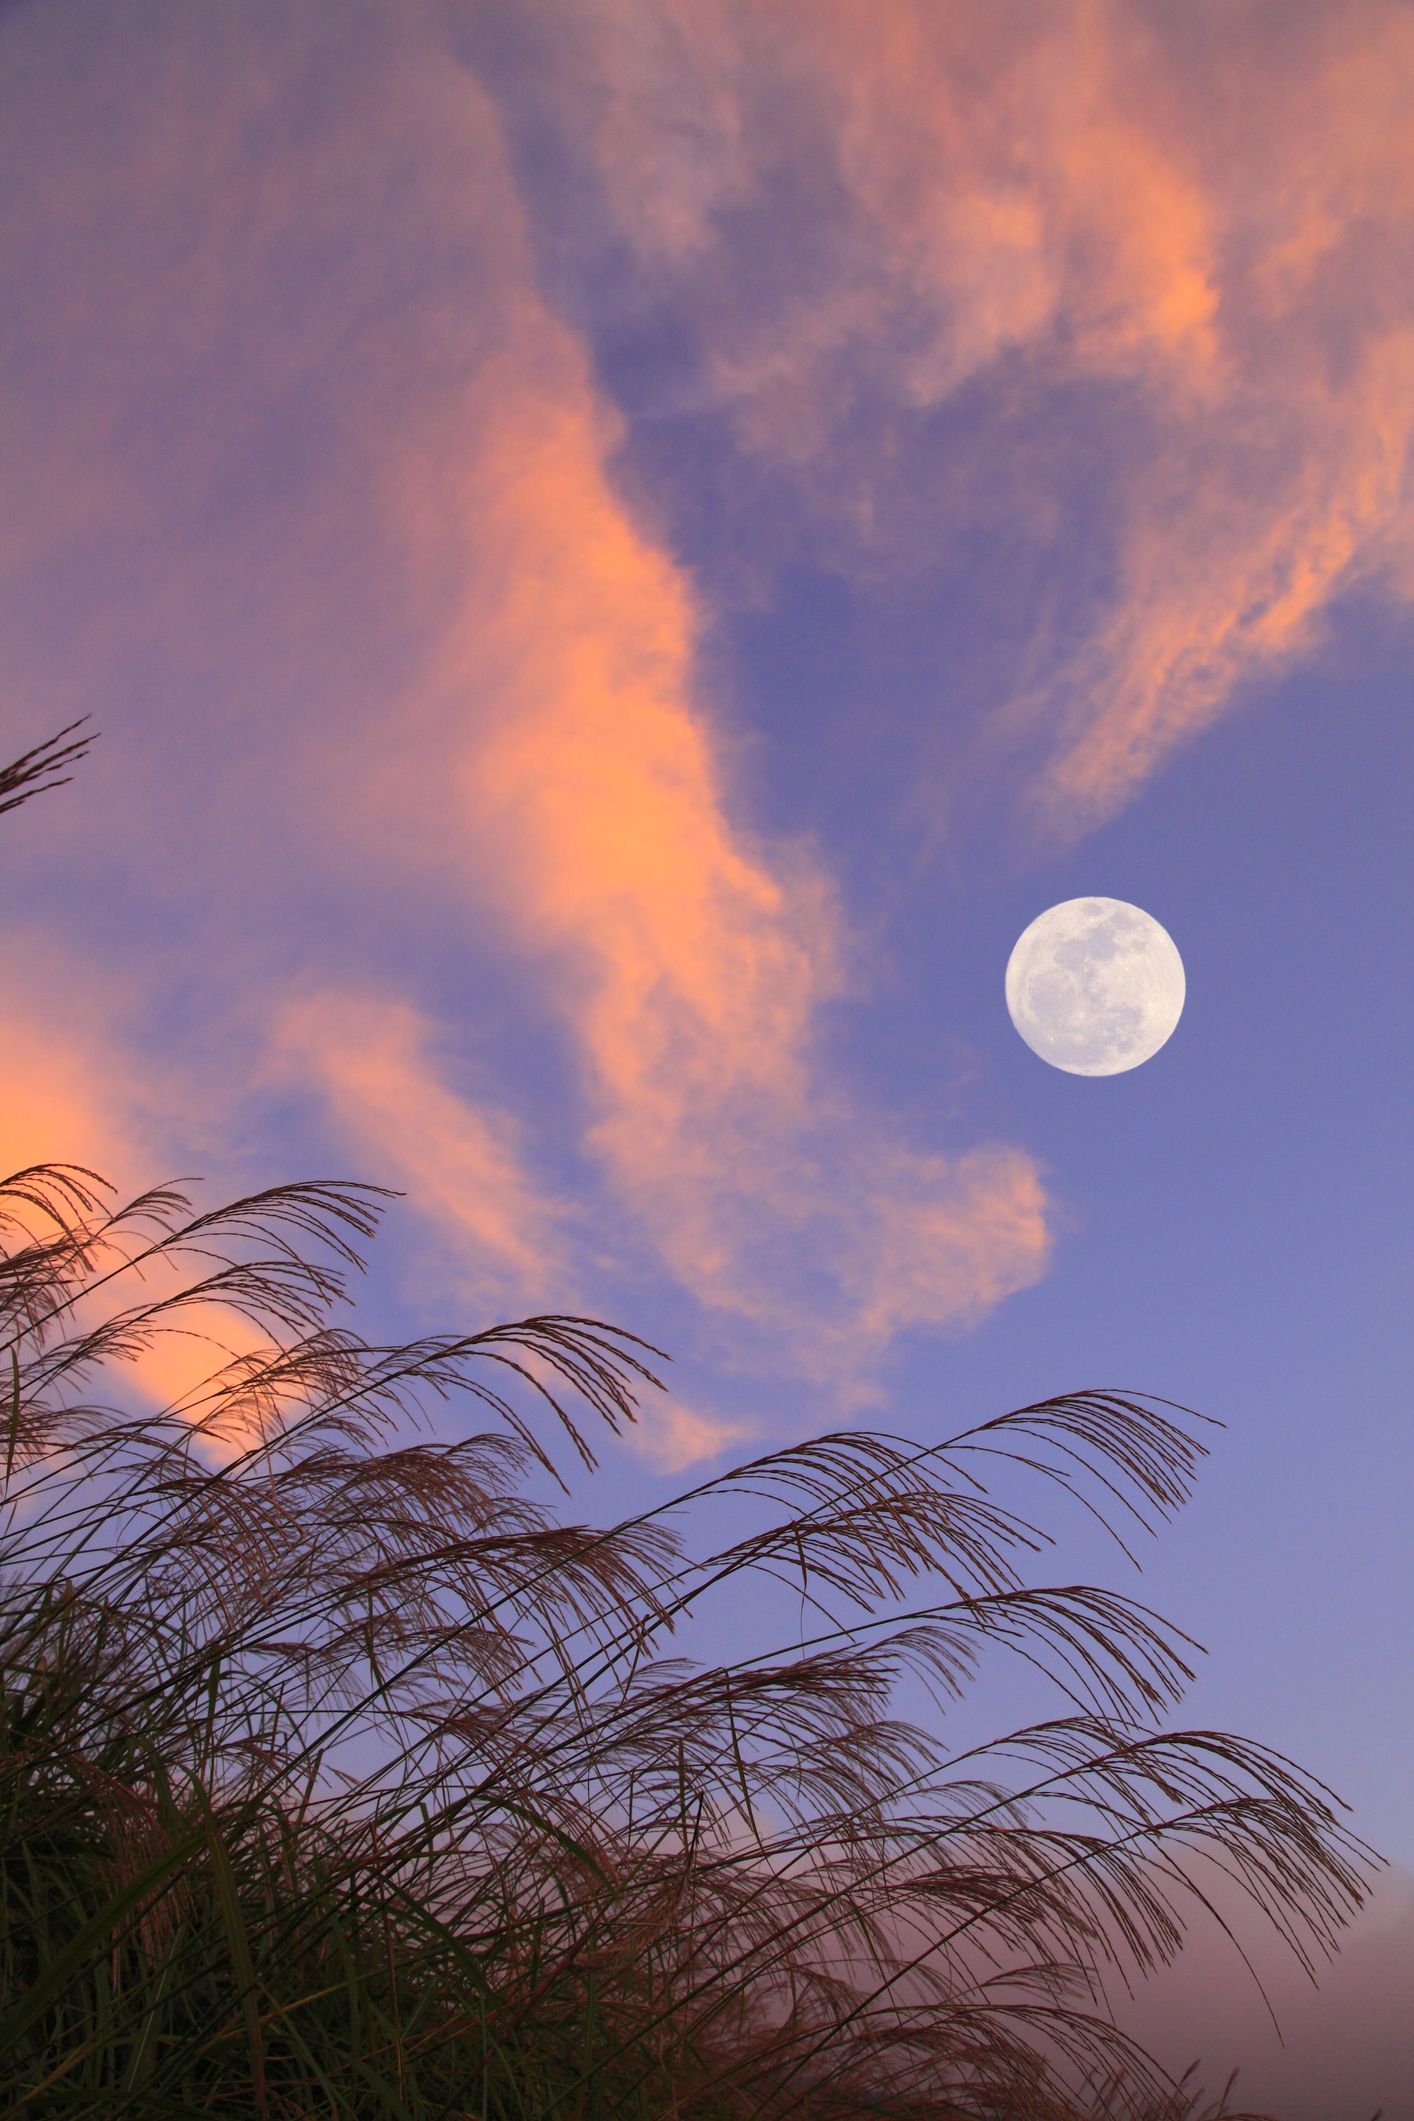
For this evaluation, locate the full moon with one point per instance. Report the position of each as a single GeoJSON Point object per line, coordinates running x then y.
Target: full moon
{"type": "Point", "coordinates": [1095, 986]}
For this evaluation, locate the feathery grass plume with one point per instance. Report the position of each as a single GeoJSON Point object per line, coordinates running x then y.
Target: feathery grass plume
{"type": "Point", "coordinates": [584, 1878]}
{"type": "Point", "coordinates": [34, 770]}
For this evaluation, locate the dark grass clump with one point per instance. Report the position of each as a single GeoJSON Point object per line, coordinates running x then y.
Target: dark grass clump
{"type": "Point", "coordinates": [583, 1879]}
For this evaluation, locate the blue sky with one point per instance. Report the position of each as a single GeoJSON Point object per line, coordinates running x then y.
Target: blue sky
{"type": "Point", "coordinates": [620, 557]}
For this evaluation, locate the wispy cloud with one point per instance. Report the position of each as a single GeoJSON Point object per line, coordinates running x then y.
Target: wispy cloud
{"type": "Point", "coordinates": [71, 1087]}
{"type": "Point", "coordinates": [491, 700]}
{"type": "Point", "coordinates": [462, 1161]}
{"type": "Point", "coordinates": [76, 1087]}
{"type": "Point", "coordinates": [569, 768]}
{"type": "Point", "coordinates": [674, 1438]}
{"type": "Point", "coordinates": [1176, 241]}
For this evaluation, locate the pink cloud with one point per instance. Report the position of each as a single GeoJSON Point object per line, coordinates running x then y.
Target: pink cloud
{"type": "Point", "coordinates": [462, 1162]}
{"type": "Point", "coordinates": [561, 756]}
{"type": "Point", "coordinates": [674, 1438]}
{"type": "Point", "coordinates": [1183, 208]}
{"type": "Point", "coordinates": [75, 1088]}
{"type": "Point", "coordinates": [539, 751]}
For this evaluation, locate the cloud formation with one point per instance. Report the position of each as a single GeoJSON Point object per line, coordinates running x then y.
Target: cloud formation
{"type": "Point", "coordinates": [595, 818]}
{"type": "Point", "coordinates": [75, 1088]}
{"type": "Point", "coordinates": [1094, 275]}
{"type": "Point", "coordinates": [461, 1162]}
{"type": "Point", "coordinates": [416, 640]}
{"type": "Point", "coordinates": [861, 224]}
{"type": "Point", "coordinates": [891, 248]}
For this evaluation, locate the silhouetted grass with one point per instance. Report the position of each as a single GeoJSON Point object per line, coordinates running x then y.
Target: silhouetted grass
{"type": "Point", "coordinates": [584, 1879]}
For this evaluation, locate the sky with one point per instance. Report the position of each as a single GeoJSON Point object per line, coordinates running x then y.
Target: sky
{"type": "Point", "coordinates": [620, 555]}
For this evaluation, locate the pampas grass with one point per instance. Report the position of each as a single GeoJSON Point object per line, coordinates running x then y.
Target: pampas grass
{"type": "Point", "coordinates": [585, 1878]}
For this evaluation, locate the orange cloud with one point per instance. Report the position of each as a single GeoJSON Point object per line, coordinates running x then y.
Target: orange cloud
{"type": "Point", "coordinates": [1205, 212]}
{"type": "Point", "coordinates": [598, 819]}
{"type": "Point", "coordinates": [463, 1167]}
{"type": "Point", "coordinates": [181, 1369]}
{"type": "Point", "coordinates": [601, 778]}
{"type": "Point", "coordinates": [949, 1239]}
{"type": "Point", "coordinates": [556, 758]}
{"type": "Point", "coordinates": [51, 1110]}
{"type": "Point", "coordinates": [74, 1086]}
{"type": "Point", "coordinates": [460, 1163]}
{"type": "Point", "coordinates": [1231, 588]}
{"type": "Point", "coordinates": [74, 1090]}
{"type": "Point", "coordinates": [673, 1438]}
